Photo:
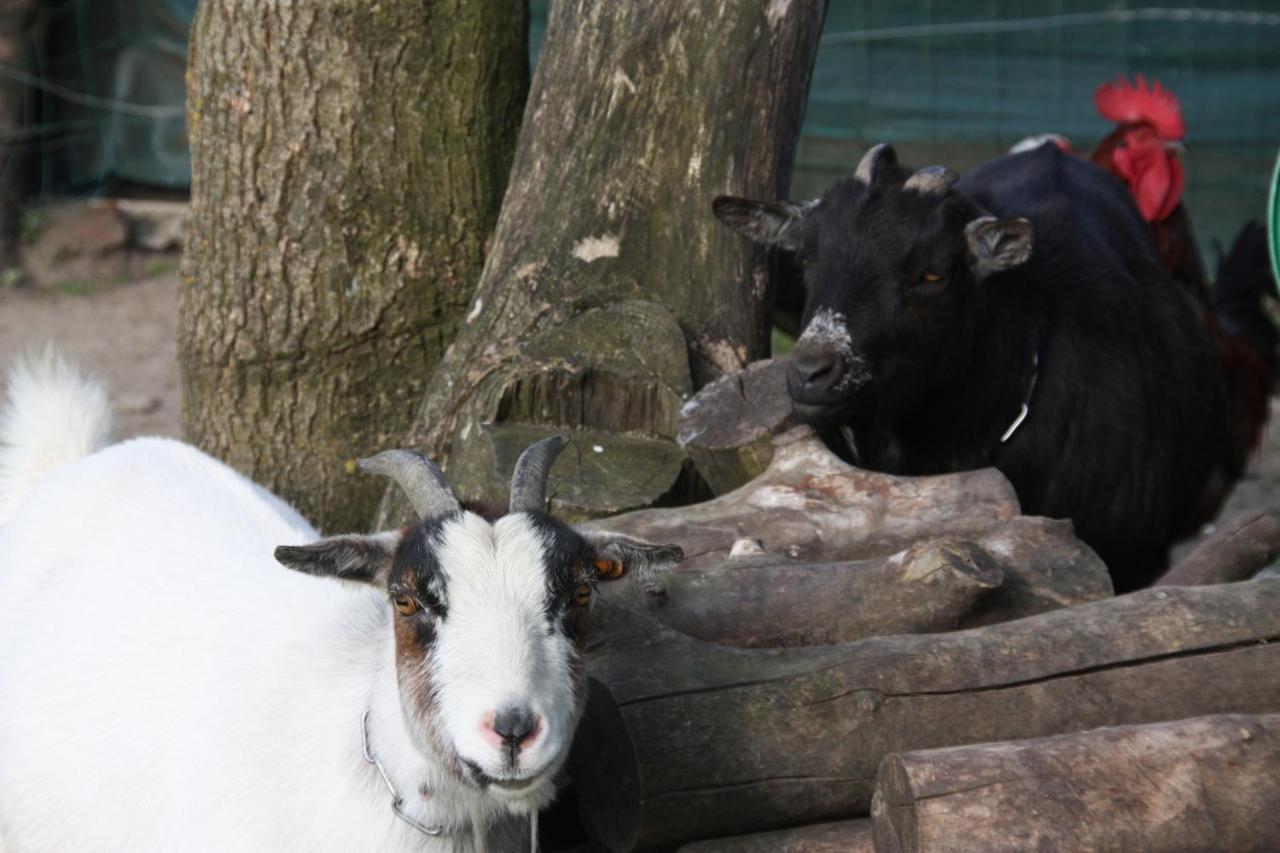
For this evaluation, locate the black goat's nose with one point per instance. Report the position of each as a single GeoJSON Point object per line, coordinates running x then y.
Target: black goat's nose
{"type": "Point", "coordinates": [514, 724]}
{"type": "Point", "coordinates": [815, 372]}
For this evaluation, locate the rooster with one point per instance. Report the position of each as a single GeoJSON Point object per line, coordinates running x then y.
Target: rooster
{"type": "Point", "coordinates": [1143, 152]}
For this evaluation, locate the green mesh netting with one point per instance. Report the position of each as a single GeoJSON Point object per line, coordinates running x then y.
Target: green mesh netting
{"type": "Point", "coordinates": [953, 82]}
{"type": "Point", "coordinates": [124, 63]}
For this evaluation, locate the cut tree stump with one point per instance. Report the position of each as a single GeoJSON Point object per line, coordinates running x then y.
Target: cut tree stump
{"type": "Point", "coordinates": [728, 427]}
{"type": "Point", "coordinates": [1205, 784]}
{"type": "Point", "coordinates": [1236, 551]}
{"type": "Point", "coordinates": [684, 739]}
{"type": "Point", "coordinates": [847, 836]}
{"type": "Point", "coordinates": [809, 505]}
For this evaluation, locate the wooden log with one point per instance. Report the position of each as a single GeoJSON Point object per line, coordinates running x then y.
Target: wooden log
{"type": "Point", "coordinates": [1236, 551]}
{"type": "Point", "coordinates": [759, 602]}
{"type": "Point", "coordinates": [846, 836]}
{"type": "Point", "coordinates": [1045, 567]}
{"type": "Point", "coordinates": [1027, 566]}
{"type": "Point", "coordinates": [809, 505]}
{"type": "Point", "coordinates": [684, 739]}
{"type": "Point", "coordinates": [728, 427]}
{"type": "Point", "coordinates": [1205, 784]}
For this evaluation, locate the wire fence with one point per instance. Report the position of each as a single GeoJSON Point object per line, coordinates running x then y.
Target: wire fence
{"type": "Point", "coordinates": [955, 82]}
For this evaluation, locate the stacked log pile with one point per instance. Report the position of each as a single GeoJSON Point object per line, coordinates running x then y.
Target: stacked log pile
{"type": "Point", "coordinates": [850, 660]}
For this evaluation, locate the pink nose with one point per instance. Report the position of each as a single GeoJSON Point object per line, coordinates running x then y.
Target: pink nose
{"type": "Point", "coordinates": [511, 728]}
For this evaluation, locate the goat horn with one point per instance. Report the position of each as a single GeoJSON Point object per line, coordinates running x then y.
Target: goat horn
{"type": "Point", "coordinates": [873, 160]}
{"type": "Point", "coordinates": [422, 481]}
{"type": "Point", "coordinates": [931, 180]}
{"type": "Point", "coordinates": [529, 479]}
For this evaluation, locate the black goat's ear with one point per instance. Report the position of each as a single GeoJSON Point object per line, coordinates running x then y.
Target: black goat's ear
{"type": "Point", "coordinates": [353, 557]}
{"type": "Point", "coordinates": [772, 223]}
{"type": "Point", "coordinates": [998, 244]}
{"type": "Point", "coordinates": [616, 555]}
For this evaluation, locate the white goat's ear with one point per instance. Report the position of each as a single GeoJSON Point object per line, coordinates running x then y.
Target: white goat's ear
{"type": "Point", "coordinates": [616, 554]}
{"type": "Point", "coordinates": [353, 557]}
{"type": "Point", "coordinates": [773, 223]}
{"type": "Point", "coordinates": [998, 244]}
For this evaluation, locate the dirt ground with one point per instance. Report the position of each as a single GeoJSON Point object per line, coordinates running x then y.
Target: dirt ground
{"type": "Point", "coordinates": [125, 333]}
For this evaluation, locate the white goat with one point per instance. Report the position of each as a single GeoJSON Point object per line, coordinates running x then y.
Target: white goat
{"type": "Point", "coordinates": [166, 685]}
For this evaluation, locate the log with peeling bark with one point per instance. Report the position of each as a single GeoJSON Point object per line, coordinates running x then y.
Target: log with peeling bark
{"type": "Point", "coordinates": [684, 739]}
{"type": "Point", "coordinates": [757, 600]}
{"type": "Point", "coordinates": [809, 505]}
{"type": "Point", "coordinates": [1234, 552]}
{"type": "Point", "coordinates": [1205, 784]}
{"type": "Point", "coordinates": [728, 427]}
{"type": "Point", "coordinates": [846, 836]}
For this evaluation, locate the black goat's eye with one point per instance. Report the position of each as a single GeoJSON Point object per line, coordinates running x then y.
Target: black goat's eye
{"type": "Point", "coordinates": [931, 277]}
{"type": "Point", "coordinates": [582, 595]}
{"type": "Point", "coordinates": [406, 605]}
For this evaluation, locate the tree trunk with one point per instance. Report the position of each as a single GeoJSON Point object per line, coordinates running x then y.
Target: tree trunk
{"type": "Point", "coordinates": [348, 161]}
{"type": "Point", "coordinates": [684, 739]}
{"type": "Point", "coordinates": [639, 114]}
{"type": "Point", "coordinates": [1205, 784]}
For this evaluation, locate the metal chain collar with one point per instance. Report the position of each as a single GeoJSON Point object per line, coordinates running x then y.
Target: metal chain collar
{"type": "Point", "coordinates": [397, 801]}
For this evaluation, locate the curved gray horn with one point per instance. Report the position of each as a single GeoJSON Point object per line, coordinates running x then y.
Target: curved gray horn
{"type": "Point", "coordinates": [529, 479]}
{"type": "Point", "coordinates": [421, 480]}
{"type": "Point", "coordinates": [931, 180]}
{"type": "Point", "coordinates": [874, 160]}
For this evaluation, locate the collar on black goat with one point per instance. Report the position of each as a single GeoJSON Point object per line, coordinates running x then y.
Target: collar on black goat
{"type": "Point", "coordinates": [1026, 401]}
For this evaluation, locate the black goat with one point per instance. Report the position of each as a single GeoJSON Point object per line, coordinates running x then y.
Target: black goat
{"type": "Point", "coordinates": [1015, 317]}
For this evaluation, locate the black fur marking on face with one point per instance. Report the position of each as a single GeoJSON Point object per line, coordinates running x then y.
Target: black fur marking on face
{"type": "Point", "coordinates": [569, 559]}
{"type": "Point", "coordinates": [416, 567]}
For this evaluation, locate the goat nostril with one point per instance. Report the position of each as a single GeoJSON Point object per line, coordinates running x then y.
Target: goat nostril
{"type": "Point", "coordinates": [816, 368]}
{"type": "Point", "coordinates": [516, 725]}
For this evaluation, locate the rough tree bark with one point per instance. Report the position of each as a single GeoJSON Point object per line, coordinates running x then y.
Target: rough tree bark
{"type": "Point", "coordinates": [760, 601]}
{"type": "Point", "coordinates": [848, 836]}
{"type": "Point", "coordinates": [683, 739]}
{"type": "Point", "coordinates": [605, 251]}
{"type": "Point", "coordinates": [1204, 784]}
{"type": "Point", "coordinates": [809, 505]}
{"type": "Point", "coordinates": [348, 162]}
{"type": "Point", "coordinates": [1236, 551]}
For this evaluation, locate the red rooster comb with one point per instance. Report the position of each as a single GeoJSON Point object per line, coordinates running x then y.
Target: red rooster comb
{"type": "Point", "coordinates": [1126, 103]}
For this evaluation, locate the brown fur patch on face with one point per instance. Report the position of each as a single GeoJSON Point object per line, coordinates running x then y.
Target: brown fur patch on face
{"type": "Point", "coordinates": [415, 636]}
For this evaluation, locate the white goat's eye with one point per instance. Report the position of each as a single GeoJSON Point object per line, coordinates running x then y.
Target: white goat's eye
{"type": "Point", "coordinates": [582, 595]}
{"type": "Point", "coordinates": [406, 605]}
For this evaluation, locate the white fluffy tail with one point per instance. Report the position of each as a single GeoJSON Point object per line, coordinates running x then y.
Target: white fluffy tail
{"type": "Point", "coordinates": [53, 414]}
